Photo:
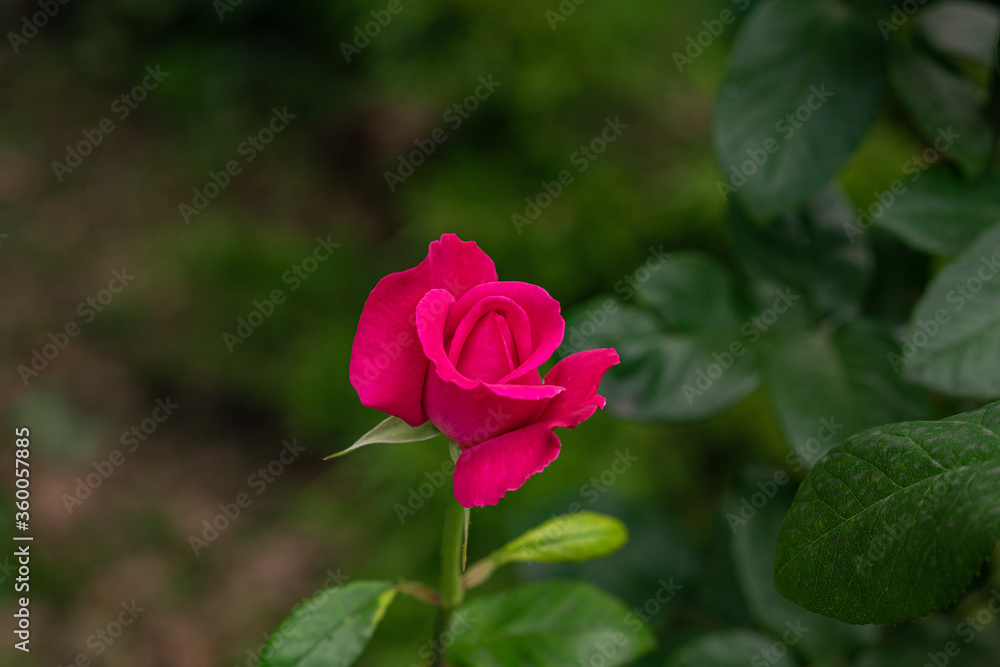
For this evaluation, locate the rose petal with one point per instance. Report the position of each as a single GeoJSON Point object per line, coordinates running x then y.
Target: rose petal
{"type": "Point", "coordinates": [581, 375]}
{"type": "Point", "coordinates": [470, 416]}
{"type": "Point", "coordinates": [484, 473]}
{"type": "Point", "coordinates": [469, 411]}
{"type": "Point", "coordinates": [547, 325]}
{"type": "Point", "coordinates": [432, 315]}
{"type": "Point", "coordinates": [458, 266]}
{"type": "Point", "coordinates": [490, 340]}
{"type": "Point", "coordinates": [388, 366]}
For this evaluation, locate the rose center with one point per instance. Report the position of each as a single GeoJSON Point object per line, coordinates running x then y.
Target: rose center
{"type": "Point", "coordinates": [489, 352]}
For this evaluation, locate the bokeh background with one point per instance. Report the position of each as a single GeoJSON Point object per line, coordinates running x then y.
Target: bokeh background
{"type": "Point", "coordinates": [228, 65]}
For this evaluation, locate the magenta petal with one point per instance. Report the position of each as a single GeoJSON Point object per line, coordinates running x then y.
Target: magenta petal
{"type": "Point", "coordinates": [469, 411]}
{"type": "Point", "coordinates": [388, 366]}
{"type": "Point", "coordinates": [432, 314]}
{"type": "Point", "coordinates": [484, 473]}
{"type": "Point", "coordinates": [546, 324]}
{"type": "Point", "coordinates": [489, 341]}
{"type": "Point", "coordinates": [458, 266]}
{"type": "Point", "coordinates": [470, 416]}
{"type": "Point", "coordinates": [581, 375]}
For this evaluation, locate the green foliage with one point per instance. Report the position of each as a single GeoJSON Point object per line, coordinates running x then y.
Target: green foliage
{"type": "Point", "coordinates": [562, 539]}
{"type": "Point", "coordinates": [332, 628]}
{"type": "Point", "coordinates": [896, 521]}
{"type": "Point", "coordinates": [801, 91]}
{"type": "Point", "coordinates": [823, 641]}
{"type": "Point", "coordinates": [548, 623]}
{"type": "Point", "coordinates": [802, 87]}
{"type": "Point", "coordinates": [392, 430]}
{"type": "Point", "coordinates": [945, 105]}
{"type": "Point", "coordinates": [954, 336]}
{"type": "Point", "coordinates": [806, 250]}
{"type": "Point", "coordinates": [826, 385]}
{"type": "Point", "coordinates": [688, 310]}
{"type": "Point", "coordinates": [732, 648]}
{"type": "Point", "coordinates": [942, 213]}
{"type": "Point", "coordinates": [693, 345]}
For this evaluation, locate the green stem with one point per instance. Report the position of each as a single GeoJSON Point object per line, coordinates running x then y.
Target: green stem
{"type": "Point", "coordinates": [452, 591]}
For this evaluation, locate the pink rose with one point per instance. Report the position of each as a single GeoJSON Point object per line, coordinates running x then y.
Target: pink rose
{"type": "Point", "coordinates": [446, 341]}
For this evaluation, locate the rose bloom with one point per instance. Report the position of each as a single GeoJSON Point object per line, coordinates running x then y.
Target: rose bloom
{"type": "Point", "coordinates": [447, 342]}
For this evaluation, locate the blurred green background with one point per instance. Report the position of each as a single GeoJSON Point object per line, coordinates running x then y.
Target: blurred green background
{"type": "Point", "coordinates": [323, 176]}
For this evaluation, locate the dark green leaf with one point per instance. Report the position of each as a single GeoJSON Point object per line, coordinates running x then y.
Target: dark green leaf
{"type": "Point", "coordinates": [808, 251]}
{"type": "Point", "coordinates": [941, 213]}
{"type": "Point", "coordinates": [946, 106]}
{"type": "Point", "coordinates": [553, 623]}
{"type": "Point", "coordinates": [827, 641]}
{"type": "Point", "coordinates": [330, 629]}
{"type": "Point", "coordinates": [692, 292]}
{"type": "Point", "coordinates": [953, 343]}
{"type": "Point", "coordinates": [676, 354]}
{"type": "Point", "coordinates": [895, 522]}
{"type": "Point", "coordinates": [772, 147]}
{"type": "Point", "coordinates": [826, 386]}
{"type": "Point", "coordinates": [734, 648]}
{"type": "Point", "coordinates": [962, 28]}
